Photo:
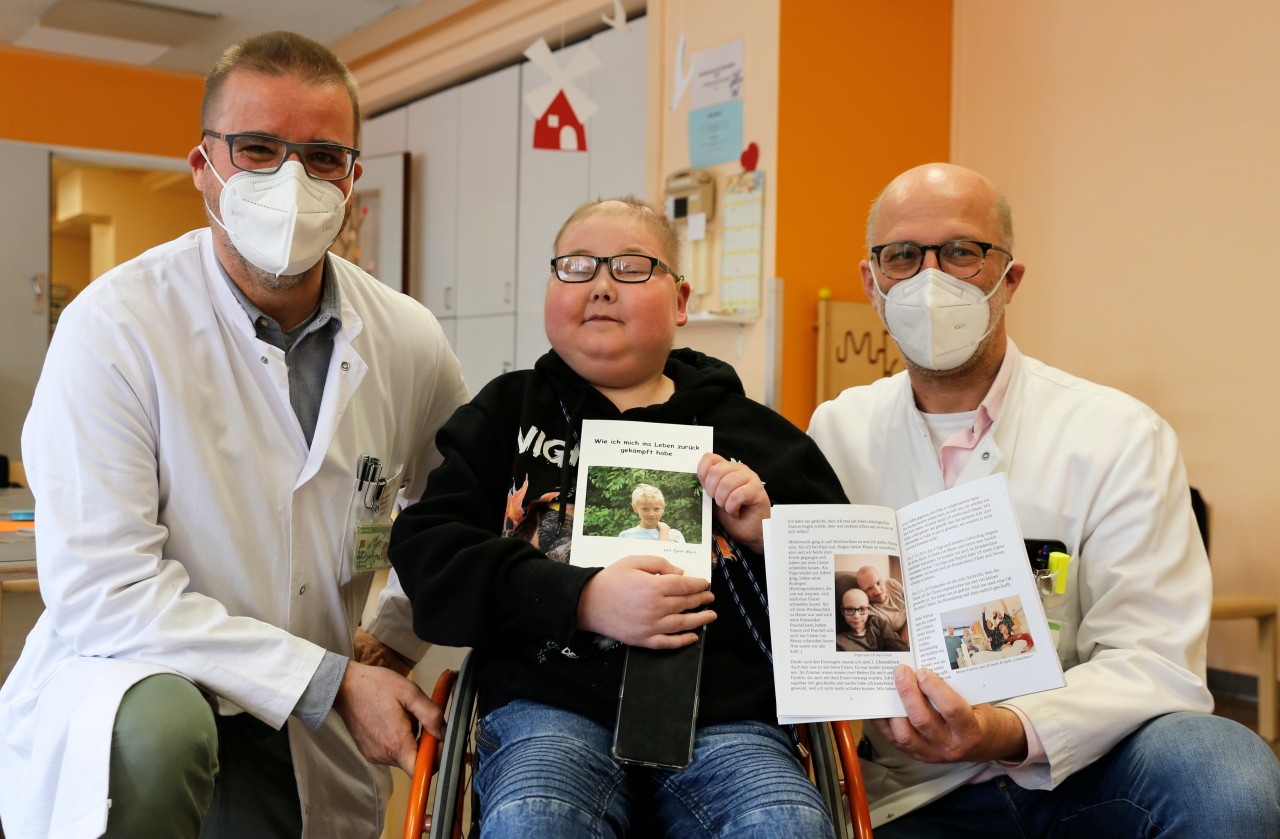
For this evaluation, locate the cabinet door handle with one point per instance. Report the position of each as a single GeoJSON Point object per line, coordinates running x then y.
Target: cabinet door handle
{"type": "Point", "coordinates": [507, 296]}
{"type": "Point", "coordinates": [448, 298]}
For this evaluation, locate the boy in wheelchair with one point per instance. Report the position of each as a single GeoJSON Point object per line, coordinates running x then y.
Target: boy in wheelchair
{"type": "Point", "coordinates": [483, 559]}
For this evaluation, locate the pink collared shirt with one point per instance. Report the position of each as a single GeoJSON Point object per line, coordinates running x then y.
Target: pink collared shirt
{"type": "Point", "coordinates": [958, 448]}
{"type": "Point", "coordinates": [955, 454]}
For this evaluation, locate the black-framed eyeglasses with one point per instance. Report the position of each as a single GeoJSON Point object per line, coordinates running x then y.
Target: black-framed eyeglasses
{"type": "Point", "coordinates": [961, 258]}
{"type": "Point", "coordinates": [624, 267]}
{"type": "Point", "coordinates": [264, 154]}
{"type": "Point", "coordinates": [855, 610]}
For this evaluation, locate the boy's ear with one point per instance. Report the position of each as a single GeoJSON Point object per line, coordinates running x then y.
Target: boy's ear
{"type": "Point", "coordinates": [683, 290]}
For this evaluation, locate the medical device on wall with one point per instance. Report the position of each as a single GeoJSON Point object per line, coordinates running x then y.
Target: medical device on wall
{"type": "Point", "coordinates": [691, 204]}
{"type": "Point", "coordinates": [689, 192]}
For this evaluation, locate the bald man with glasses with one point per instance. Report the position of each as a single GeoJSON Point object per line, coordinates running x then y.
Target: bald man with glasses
{"type": "Point", "coordinates": [1128, 747]}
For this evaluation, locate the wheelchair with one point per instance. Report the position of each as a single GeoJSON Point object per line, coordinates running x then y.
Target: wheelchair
{"type": "Point", "coordinates": [832, 764]}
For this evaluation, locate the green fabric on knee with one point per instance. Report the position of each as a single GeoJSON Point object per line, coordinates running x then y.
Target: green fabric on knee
{"type": "Point", "coordinates": [164, 758]}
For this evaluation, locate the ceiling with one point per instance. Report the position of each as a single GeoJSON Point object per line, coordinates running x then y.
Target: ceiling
{"type": "Point", "coordinates": [187, 35]}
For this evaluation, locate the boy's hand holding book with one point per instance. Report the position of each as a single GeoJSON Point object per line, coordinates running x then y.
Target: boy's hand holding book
{"type": "Point", "coordinates": [645, 601]}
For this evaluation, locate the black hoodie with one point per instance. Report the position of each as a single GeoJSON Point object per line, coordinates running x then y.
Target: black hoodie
{"type": "Point", "coordinates": [483, 556]}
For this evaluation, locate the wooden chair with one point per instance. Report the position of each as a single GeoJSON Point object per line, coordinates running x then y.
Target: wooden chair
{"type": "Point", "coordinates": [1250, 607]}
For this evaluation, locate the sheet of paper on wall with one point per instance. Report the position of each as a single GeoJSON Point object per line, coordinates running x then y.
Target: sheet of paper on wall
{"type": "Point", "coordinates": [718, 75]}
{"type": "Point", "coordinates": [742, 229]}
{"type": "Point", "coordinates": [715, 134]}
{"type": "Point", "coordinates": [697, 227]}
{"type": "Point", "coordinates": [638, 493]}
{"type": "Point", "coordinates": [715, 105]}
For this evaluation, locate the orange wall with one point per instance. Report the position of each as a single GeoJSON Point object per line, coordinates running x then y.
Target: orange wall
{"type": "Point", "coordinates": [91, 104]}
{"type": "Point", "coordinates": [840, 65]}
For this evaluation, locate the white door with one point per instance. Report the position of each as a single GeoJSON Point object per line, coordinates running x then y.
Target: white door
{"type": "Point", "coordinates": [24, 284]}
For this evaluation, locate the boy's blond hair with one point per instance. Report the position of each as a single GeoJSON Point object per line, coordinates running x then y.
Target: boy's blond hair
{"type": "Point", "coordinates": [646, 491]}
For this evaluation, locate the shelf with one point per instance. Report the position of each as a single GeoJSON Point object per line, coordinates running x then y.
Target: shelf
{"type": "Point", "coordinates": [721, 317]}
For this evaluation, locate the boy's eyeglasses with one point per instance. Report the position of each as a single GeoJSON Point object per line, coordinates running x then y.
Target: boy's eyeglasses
{"type": "Point", "coordinates": [624, 267]}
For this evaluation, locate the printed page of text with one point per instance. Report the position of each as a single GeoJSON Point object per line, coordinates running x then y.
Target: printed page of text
{"type": "Point", "coordinates": [972, 597]}
{"type": "Point", "coordinates": [813, 556]}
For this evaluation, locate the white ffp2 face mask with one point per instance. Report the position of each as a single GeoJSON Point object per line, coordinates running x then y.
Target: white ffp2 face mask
{"type": "Point", "coordinates": [936, 320]}
{"type": "Point", "coordinates": [283, 222]}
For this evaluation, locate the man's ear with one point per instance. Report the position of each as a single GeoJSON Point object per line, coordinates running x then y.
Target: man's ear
{"type": "Point", "coordinates": [1013, 280]}
{"type": "Point", "coordinates": [869, 289]}
{"type": "Point", "coordinates": [197, 162]}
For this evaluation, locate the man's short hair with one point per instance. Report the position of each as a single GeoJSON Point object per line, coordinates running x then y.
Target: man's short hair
{"type": "Point", "coordinates": [280, 54]}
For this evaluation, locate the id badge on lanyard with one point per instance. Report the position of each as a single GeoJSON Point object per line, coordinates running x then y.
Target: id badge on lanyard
{"type": "Point", "coordinates": [376, 498]}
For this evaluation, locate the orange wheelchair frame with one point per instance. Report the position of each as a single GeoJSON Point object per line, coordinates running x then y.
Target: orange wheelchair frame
{"type": "Point", "coordinates": [832, 764]}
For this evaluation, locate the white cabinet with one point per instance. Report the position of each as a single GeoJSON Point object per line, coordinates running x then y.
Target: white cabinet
{"type": "Point", "coordinates": [484, 347]}
{"type": "Point", "coordinates": [464, 172]}
{"type": "Point", "coordinates": [616, 136]}
{"type": "Point", "coordinates": [554, 183]}
{"type": "Point", "coordinates": [432, 128]}
{"type": "Point", "coordinates": [384, 134]}
{"type": "Point", "coordinates": [485, 205]}
{"type": "Point", "coordinates": [488, 155]}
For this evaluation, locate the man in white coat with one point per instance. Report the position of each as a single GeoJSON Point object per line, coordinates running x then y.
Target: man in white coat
{"type": "Point", "coordinates": [216, 444]}
{"type": "Point", "coordinates": [1128, 747]}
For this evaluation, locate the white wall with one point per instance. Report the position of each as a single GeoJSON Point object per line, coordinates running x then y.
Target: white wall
{"type": "Point", "coordinates": [24, 314]}
{"type": "Point", "coordinates": [1136, 142]}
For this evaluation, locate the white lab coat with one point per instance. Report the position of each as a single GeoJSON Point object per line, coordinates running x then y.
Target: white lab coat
{"type": "Point", "coordinates": [185, 526]}
{"type": "Point", "coordinates": [1100, 471]}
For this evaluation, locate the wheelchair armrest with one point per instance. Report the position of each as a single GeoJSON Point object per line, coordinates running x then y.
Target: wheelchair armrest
{"type": "Point", "coordinates": [424, 766]}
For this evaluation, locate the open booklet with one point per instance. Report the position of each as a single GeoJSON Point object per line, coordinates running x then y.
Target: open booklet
{"type": "Point", "coordinates": [956, 595]}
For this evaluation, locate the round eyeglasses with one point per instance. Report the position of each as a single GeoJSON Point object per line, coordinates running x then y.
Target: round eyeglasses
{"type": "Point", "coordinates": [961, 258]}
{"type": "Point", "coordinates": [624, 267]}
{"type": "Point", "coordinates": [264, 155]}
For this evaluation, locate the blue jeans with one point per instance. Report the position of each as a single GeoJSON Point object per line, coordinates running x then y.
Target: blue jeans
{"type": "Point", "coordinates": [549, 772]}
{"type": "Point", "coordinates": [1182, 774]}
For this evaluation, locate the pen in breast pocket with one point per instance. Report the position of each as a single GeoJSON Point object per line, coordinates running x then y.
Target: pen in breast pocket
{"type": "Point", "coordinates": [369, 470]}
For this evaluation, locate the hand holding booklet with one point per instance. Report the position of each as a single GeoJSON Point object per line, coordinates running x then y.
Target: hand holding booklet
{"type": "Point", "coordinates": [947, 577]}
